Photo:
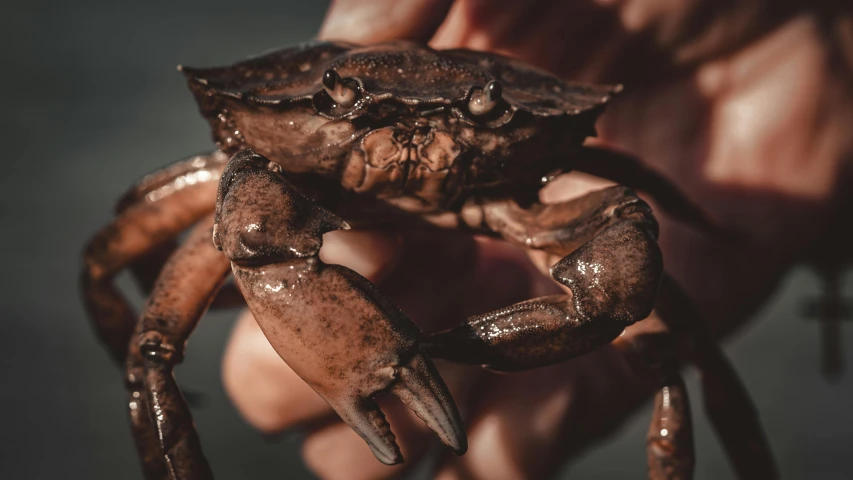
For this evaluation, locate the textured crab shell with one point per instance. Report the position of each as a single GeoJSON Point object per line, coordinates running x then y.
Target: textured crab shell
{"type": "Point", "coordinates": [405, 71]}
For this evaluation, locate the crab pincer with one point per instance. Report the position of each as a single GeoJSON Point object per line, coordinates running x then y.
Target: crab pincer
{"type": "Point", "coordinates": [331, 325]}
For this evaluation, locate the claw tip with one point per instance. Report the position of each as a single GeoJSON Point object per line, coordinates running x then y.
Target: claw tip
{"type": "Point", "coordinates": [460, 446]}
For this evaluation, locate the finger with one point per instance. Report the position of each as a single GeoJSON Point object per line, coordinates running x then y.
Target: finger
{"type": "Point", "coordinates": [607, 41]}
{"type": "Point", "coordinates": [266, 392]}
{"type": "Point", "coordinates": [527, 424]}
{"type": "Point", "coordinates": [374, 254]}
{"type": "Point", "coordinates": [562, 37]}
{"type": "Point", "coordinates": [515, 425]}
{"type": "Point", "coordinates": [335, 451]}
{"type": "Point", "coordinates": [381, 20]}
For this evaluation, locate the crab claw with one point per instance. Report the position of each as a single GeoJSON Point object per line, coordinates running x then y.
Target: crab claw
{"type": "Point", "coordinates": [330, 324]}
{"type": "Point", "coordinates": [420, 388]}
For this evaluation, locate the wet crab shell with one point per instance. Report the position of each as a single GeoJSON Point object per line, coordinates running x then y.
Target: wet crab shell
{"type": "Point", "coordinates": [395, 71]}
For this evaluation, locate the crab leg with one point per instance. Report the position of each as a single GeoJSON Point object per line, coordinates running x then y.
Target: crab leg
{"type": "Point", "coordinates": [612, 271]}
{"type": "Point", "coordinates": [146, 269]}
{"type": "Point", "coordinates": [669, 447]}
{"type": "Point", "coordinates": [670, 439]}
{"type": "Point", "coordinates": [330, 324]}
{"type": "Point", "coordinates": [192, 170]}
{"type": "Point", "coordinates": [678, 336]}
{"type": "Point", "coordinates": [612, 268]}
{"type": "Point", "coordinates": [726, 400]}
{"type": "Point", "coordinates": [172, 178]}
{"type": "Point", "coordinates": [183, 291]}
{"type": "Point", "coordinates": [150, 216]}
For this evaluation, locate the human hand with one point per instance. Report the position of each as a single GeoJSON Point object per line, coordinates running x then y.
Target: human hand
{"type": "Point", "coordinates": [744, 108]}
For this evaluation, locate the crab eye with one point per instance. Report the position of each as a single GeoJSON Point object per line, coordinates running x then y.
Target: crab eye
{"type": "Point", "coordinates": [485, 100]}
{"type": "Point", "coordinates": [342, 94]}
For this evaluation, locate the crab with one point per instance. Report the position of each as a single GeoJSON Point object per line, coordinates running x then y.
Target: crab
{"type": "Point", "coordinates": [325, 136]}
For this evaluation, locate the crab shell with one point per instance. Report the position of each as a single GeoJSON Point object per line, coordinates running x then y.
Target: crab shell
{"type": "Point", "coordinates": [409, 130]}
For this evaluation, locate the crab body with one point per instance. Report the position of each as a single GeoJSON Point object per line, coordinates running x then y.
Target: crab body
{"type": "Point", "coordinates": [322, 136]}
{"type": "Point", "coordinates": [408, 135]}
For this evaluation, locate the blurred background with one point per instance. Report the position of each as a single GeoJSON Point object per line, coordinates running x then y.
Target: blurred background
{"type": "Point", "coordinates": [93, 102]}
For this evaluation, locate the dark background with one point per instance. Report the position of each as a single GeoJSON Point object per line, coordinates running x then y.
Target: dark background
{"type": "Point", "coordinates": [91, 102]}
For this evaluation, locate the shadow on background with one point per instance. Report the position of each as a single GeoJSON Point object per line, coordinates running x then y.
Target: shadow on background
{"type": "Point", "coordinates": [93, 102]}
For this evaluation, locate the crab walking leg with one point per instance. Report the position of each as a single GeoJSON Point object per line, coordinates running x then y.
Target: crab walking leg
{"type": "Point", "coordinates": [172, 178]}
{"type": "Point", "coordinates": [670, 439]}
{"type": "Point", "coordinates": [612, 272]}
{"type": "Point", "coordinates": [189, 171]}
{"type": "Point", "coordinates": [146, 269]}
{"type": "Point", "coordinates": [182, 293]}
{"type": "Point", "coordinates": [726, 400]}
{"type": "Point", "coordinates": [146, 435]}
{"type": "Point", "coordinates": [330, 324]}
{"type": "Point", "coordinates": [151, 215]}
{"type": "Point", "coordinates": [143, 429]}
{"type": "Point", "coordinates": [669, 447]}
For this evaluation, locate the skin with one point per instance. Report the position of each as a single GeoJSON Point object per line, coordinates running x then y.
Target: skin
{"type": "Point", "coordinates": [787, 163]}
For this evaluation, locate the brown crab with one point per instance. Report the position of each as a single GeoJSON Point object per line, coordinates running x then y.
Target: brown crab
{"type": "Point", "coordinates": [325, 135]}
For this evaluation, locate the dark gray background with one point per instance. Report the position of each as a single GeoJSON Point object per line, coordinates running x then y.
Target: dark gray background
{"type": "Point", "coordinates": [91, 102]}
